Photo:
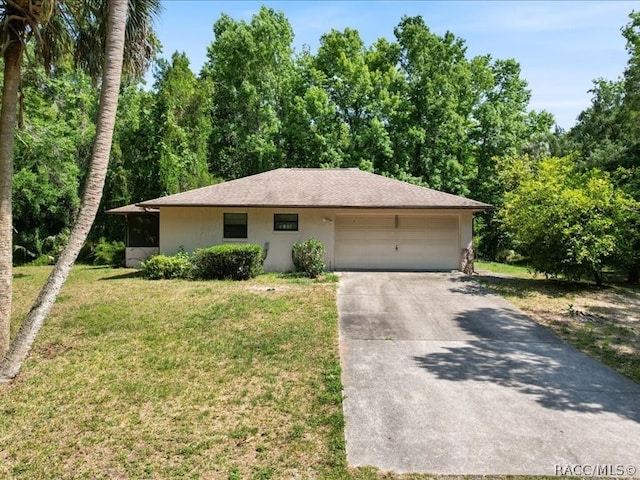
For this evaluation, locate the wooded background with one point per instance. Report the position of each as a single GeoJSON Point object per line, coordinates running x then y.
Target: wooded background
{"type": "Point", "coordinates": [418, 109]}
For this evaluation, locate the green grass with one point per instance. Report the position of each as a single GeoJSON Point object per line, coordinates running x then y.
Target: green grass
{"type": "Point", "coordinates": [176, 379]}
{"type": "Point", "coordinates": [503, 268]}
{"type": "Point", "coordinates": [141, 379]}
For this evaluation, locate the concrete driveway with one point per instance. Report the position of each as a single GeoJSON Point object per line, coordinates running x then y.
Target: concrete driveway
{"type": "Point", "coordinates": [442, 377]}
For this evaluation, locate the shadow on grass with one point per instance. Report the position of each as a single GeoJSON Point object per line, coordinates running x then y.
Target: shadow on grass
{"type": "Point", "coordinates": [520, 287]}
{"type": "Point", "coordinates": [513, 351]}
{"type": "Point", "coordinates": [123, 276]}
{"type": "Point", "coordinates": [624, 302]}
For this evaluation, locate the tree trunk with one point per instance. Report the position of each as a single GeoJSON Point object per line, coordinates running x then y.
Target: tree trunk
{"type": "Point", "coordinates": [12, 64]}
{"type": "Point", "coordinates": [21, 345]}
{"type": "Point", "coordinates": [597, 276]}
{"type": "Point", "coordinates": [633, 274]}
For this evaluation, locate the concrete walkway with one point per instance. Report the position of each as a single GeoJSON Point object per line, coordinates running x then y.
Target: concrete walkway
{"type": "Point", "coordinates": [442, 377]}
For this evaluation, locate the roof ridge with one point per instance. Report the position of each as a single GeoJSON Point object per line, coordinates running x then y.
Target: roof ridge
{"type": "Point", "coordinates": [322, 169]}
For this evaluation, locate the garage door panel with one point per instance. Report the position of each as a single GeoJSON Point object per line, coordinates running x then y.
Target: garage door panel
{"type": "Point", "coordinates": [347, 222]}
{"type": "Point", "coordinates": [407, 242]}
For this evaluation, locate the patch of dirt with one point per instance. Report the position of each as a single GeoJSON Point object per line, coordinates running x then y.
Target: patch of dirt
{"type": "Point", "coordinates": [51, 350]}
{"type": "Point", "coordinates": [268, 288]}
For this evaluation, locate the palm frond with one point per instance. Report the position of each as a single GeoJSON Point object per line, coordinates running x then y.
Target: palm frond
{"type": "Point", "coordinates": [141, 44]}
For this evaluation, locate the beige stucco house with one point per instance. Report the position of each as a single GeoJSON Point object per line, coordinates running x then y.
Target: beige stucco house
{"type": "Point", "coordinates": [365, 221]}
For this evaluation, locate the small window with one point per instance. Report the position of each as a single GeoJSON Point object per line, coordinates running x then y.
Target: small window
{"type": "Point", "coordinates": [235, 225]}
{"type": "Point", "coordinates": [285, 222]}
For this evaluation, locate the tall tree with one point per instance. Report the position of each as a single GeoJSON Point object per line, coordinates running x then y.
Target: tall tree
{"type": "Point", "coordinates": [601, 133]}
{"type": "Point", "coordinates": [181, 125]}
{"type": "Point", "coordinates": [20, 20]}
{"type": "Point", "coordinates": [503, 128]}
{"type": "Point", "coordinates": [54, 140]}
{"type": "Point", "coordinates": [607, 137]}
{"type": "Point", "coordinates": [249, 65]}
{"type": "Point", "coordinates": [116, 25]}
{"type": "Point", "coordinates": [344, 75]}
{"type": "Point", "coordinates": [437, 105]}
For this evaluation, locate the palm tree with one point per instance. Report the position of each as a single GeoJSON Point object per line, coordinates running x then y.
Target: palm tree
{"type": "Point", "coordinates": [116, 25]}
{"type": "Point", "coordinates": [19, 20]}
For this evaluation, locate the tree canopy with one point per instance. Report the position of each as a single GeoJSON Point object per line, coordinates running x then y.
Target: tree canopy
{"type": "Point", "coordinates": [416, 107]}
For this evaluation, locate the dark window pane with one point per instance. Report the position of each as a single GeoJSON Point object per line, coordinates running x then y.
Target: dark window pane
{"type": "Point", "coordinates": [143, 230]}
{"type": "Point", "coordinates": [287, 222]}
{"type": "Point", "coordinates": [235, 225]}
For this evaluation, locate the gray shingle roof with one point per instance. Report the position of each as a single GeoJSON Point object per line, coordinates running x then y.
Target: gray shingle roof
{"type": "Point", "coordinates": [314, 187]}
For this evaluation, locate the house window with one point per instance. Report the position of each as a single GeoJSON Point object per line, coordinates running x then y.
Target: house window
{"type": "Point", "coordinates": [143, 230]}
{"type": "Point", "coordinates": [235, 225]}
{"type": "Point", "coordinates": [285, 222]}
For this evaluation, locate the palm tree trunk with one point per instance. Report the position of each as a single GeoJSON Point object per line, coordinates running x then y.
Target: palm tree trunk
{"type": "Point", "coordinates": [112, 71]}
{"type": "Point", "coordinates": [12, 64]}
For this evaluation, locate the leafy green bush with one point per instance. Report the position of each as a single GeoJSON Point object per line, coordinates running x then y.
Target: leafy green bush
{"type": "Point", "coordinates": [109, 253]}
{"type": "Point", "coordinates": [164, 267]}
{"type": "Point", "coordinates": [308, 257]}
{"type": "Point", "coordinates": [508, 256]}
{"type": "Point", "coordinates": [229, 261]}
{"type": "Point", "coordinates": [42, 260]}
{"type": "Point", "coordinates": [567, 221]}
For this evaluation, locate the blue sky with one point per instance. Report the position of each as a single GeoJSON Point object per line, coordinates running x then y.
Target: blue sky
{"type": "Point", "coordinates": [561, 46]}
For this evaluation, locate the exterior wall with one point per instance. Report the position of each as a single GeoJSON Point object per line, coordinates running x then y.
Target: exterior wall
{"type": "Point", "coordinates": [135, 255]}
{"type": "Point", "coordinates": [196, 227]}
{"type": "Point", "coordinates": [466, 229]}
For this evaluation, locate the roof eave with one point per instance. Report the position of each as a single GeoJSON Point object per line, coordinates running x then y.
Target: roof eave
{"type": "Point", "coordinates": [143, 210]}
{"type": "Point", "coordinates": [369, 207]}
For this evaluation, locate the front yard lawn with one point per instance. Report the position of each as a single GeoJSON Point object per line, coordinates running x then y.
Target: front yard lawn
{"type": "Point", "coordinates": [176, 379]}
{"type": "Point", "coordinates": [138, 379]}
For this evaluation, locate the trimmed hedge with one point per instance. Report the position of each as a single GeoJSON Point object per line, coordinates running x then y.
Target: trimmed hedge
{"type": "Point", "coordinates": [229, 261]}
{"type": "Point", "coordinates": [308, 257]}
{"type": "Point", "coordinates": [163, 267]}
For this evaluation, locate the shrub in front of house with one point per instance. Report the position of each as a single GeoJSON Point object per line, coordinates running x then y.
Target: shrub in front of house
{"type": "Point", "coordinates": [227, 262]}
{"type": "Point", "coordinates": [164, 267]}
{"type": "Point", "coordinates": [308, 257]}
{"type": "Point", "coordinates": [109, 253]}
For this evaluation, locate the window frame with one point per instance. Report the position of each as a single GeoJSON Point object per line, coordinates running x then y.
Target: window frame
{"type": "Point", "coordinates": [277, 224]}
{"type": "Point", "coordinates": [229, 235]}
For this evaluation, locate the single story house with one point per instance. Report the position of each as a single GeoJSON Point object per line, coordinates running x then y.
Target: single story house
{"type": "Point", "coordinates": [365, 221]}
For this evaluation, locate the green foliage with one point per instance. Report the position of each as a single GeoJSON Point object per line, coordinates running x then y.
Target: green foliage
{"type": "Point", "coordinates": [607, 137]}
{"type": "Point", "coordinates": [509, 257]}
{"type": "Point", "coordinates": [42, 260]}
{"type": "Point", "coordinates": [181, 126]}
{"type": "Point", "coordinates": [164, 267]}
{"type": "Point", "coordinates": [567, 222]}
{"type": "Point", "coordinates": [417, 108]}
{"type": "Point", "coordinates": [109, 253]}
{"type": "Point", "coordinates": [308, 257]}
{"type": "Point", "coordinates": [228, 261]}
{"type": "Point", "coordinates": [50, 148]}
{"type": "Point", "coordinates": [251, 66]}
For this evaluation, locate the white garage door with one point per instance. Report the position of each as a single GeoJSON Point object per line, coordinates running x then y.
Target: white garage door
{"type": "Point", "coordinates": [401, 242]}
